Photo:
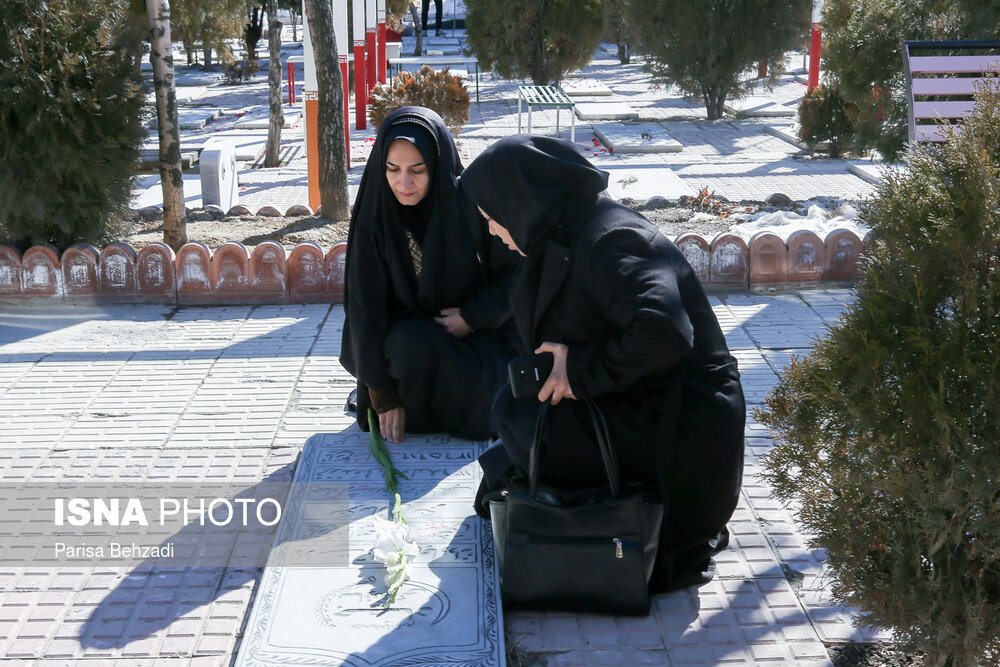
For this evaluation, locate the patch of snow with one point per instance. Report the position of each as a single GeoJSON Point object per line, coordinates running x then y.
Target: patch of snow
{"type": "Point", "coordinates": [821, 216]}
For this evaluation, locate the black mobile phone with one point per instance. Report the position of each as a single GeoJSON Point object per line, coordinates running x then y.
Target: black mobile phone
{"type": "Point", "coordinates": [528, 374]}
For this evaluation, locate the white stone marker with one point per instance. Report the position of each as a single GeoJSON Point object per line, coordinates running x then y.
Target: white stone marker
{"type": "Point", "coordinates": [219, 184]}
{"type": "Point", "coordinates": [259, 118]}
{"type": "Point", "coordinates": [573, 87]}
{"type": "Point", "coordinates": [448, 613]}
{"type": "Point", "coordinates": [605, 111]}
{"type": "Point", "coordinates": [636, 138]}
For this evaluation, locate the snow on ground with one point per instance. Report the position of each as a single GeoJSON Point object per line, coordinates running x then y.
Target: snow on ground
{"type": "Point", "coordinates": [821, 216]}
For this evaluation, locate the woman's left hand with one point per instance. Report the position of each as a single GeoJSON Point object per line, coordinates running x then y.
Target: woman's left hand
{"type": "Point", "coordinates": [453, 322]}
{"type": "Point", "coordinates": [556, 386]}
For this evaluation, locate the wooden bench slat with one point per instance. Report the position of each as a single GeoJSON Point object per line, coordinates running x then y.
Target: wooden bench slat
{"type": "Point", "coordinates": [943, 109]}
{"type": "Point", "coordinates": [952, 64]}
{"type": "Point", "coordinates": [928, 133]}
{"type": "Point", "coordinates": [951, 85]}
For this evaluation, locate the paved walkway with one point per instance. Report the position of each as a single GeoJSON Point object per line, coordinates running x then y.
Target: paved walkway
{"type": "Point", "coordinates": [737, 158]}
{"type": "Point", "coordinates": [132, 393]}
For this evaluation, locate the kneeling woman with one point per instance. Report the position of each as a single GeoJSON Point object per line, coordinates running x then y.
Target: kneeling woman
{"type": "Point", "coordinates": [630, 327]}
{"type": "Point", "coordinates": [425, 290]}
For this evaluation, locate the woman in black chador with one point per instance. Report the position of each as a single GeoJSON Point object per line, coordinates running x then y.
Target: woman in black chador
{"type": "Point", "coordinates": [425, 291]}
{"type": "Point", "coordinates": [630, 327]}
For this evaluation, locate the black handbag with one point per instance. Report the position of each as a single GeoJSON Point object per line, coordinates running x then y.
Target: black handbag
{"type": "Point", "coordinates": [580, 550]}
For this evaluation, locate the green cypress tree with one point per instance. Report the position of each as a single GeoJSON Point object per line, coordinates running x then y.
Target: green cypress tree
{"type": "Point", "coordinates": [888, 431]}
{"type": "Point", "coordinates": [862, 53]}
{"type": "Point", "coordinates": [704, 46]}
{"type": "Point", "coordinates": [70, 120]}
{"type": "Point", "coordinates": [536, 39]}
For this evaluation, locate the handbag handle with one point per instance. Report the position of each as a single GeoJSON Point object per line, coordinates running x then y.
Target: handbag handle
{"type": "Point", "coordinates": [604, 444]}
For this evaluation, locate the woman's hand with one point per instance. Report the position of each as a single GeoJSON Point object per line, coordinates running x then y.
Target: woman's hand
{"type": "Point", "coordinates": [556, 386]}
{"type": "Point", "coordinates": [453, 322]}
{"type": "Point", "coordinates": [392, 424]}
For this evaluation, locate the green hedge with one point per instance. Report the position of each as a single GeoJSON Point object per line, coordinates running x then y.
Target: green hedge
{"type": "Point", "coordinates": [70, 120]}
{"type": "Point", "coordinates": [889, 431]}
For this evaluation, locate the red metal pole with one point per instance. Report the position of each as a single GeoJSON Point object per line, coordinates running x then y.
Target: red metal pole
{"type": "Point", "coordinates": [347, 107]}
{"type": "Point", "coordinates": [815, 42]}
{"type": "Point", "coordinates": [360, 90]}
{"type": "Point", "coordinates": [372, 60]}
{"type": "Point", "coordinates": [291, 83]}
{"type": "Point", "coordinates": [381, 52]}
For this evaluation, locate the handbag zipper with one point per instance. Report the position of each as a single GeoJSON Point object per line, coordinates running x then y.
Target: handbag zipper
{"type": "Point", "coordinates": [617, 541]}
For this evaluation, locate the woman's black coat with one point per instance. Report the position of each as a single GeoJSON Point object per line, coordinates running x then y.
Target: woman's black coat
{"type": "Point", "coordinates": [462, 266]}
{"type": "Point", "coordinates": [643, 340]}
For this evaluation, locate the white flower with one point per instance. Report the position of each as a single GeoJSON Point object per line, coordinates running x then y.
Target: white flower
{"type": "Point", "coordinates": [394, 547]}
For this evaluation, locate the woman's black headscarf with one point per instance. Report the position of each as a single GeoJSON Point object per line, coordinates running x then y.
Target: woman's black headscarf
{"type": "Point", "coordinates": [379, 281]}
{"type": "Point", "coordinates": [537, 188]}
{"type": "Point", "coordinates": [533, 185]}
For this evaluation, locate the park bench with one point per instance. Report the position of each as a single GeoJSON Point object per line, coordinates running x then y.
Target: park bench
{"type": "Point", "coordinates": [942, 78]}
{"type": "Point", "coordinates": [546, 97]}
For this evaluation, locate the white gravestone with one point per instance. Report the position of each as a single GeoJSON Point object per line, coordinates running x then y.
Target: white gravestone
{"type": "Point", "coordinates": [447, 613]}
{"type": "Point", "coordinates": [219, 184]}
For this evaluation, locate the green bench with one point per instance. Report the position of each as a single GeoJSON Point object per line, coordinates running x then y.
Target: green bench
{"type": "Point", "coordinates": [546, 97]}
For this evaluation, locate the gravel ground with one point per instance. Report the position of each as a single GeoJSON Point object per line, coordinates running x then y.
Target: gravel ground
{"type": "Point", "coordinates": [251, 230]}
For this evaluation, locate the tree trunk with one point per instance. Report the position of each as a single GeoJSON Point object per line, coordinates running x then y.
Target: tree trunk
{"type": "Point", "coordinates": [418, 29]}
{"type": "Point", "coordinates": [208, 57]}
{"type": "Point", "coordinates": [171, 182]}
{"type": "Point", "coordinates": [295, 26]}
{"type": "Point", "coordinates": [330, 123]}
{"type": "Point", "coordinates": [253, 31]}
{"type": "Point", "coordinates": [276, 117]}
{"type": "Point", "coordinates": [624, 57]}
{"type": "Point", "coordinates": [715, 101]}
{"type": "Point", "coordinates": [540, 70]}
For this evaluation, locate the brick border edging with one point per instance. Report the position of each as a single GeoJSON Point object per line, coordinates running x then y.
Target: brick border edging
{"type": "Point", "coordinates": [232, 275]}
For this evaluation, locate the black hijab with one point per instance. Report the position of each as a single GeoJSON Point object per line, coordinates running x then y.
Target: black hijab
{"type": "Point", "coordinates": [379, 281]}
{"type": "Point", "coordinates": [538, 188]}
{"type": "Point", "coordinates": [533, 186]}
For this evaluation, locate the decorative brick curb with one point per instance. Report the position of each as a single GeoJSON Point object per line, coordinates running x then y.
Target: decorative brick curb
{"type": "Point", "coordinates": [233, 275]}
{"type": "Point", "coordinates": [295, 210]}
{"type": "Point", "coordinates": [195, 275]}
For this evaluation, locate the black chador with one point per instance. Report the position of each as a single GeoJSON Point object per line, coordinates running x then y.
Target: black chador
{"type": "Point", "coordinates": [405, 264]}
{"type": "Point", "coordinates": [642, 341]}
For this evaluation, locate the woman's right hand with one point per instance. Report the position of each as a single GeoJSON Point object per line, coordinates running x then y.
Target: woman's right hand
{"type": "Point", "coordinates": [556, 387]}
{"type": "Point", "coordinates": [392, 424]}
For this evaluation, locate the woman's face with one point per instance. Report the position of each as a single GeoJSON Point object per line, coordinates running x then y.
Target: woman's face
{"type": "Point", "coordinates": [406, 172]}
{"type": "Point", "coordinates": [501, 232]}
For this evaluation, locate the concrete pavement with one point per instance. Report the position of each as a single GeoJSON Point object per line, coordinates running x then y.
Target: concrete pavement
{"type": "Point", "coordinates": [134, 393]}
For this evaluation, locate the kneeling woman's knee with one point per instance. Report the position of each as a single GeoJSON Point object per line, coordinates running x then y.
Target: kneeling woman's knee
{"type": "Point", "coordinates": [411, 342]}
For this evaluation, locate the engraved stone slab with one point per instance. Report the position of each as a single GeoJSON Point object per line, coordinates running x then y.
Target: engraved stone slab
{"type": "Point", "coordinates": [761, 106]}
{"type": "Point", "coordinates": [636, 138]}
{"type": "Point", "coordinates": [258, 118]}
{"type": "Point", "coordinates": [643, 182]}
{"type": "Point", "coordinates": [586, 87]}
{"type": "Point", "coordinates": [447, 613]}
{"type": "Point", "coordinates": [192, 118]}
{"type": "Point", "coordinates": [605, 111]}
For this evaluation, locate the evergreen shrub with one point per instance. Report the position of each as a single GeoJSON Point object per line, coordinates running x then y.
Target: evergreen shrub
{"type": "Point", "coordinates": [235, 72]}
{"type": "Point", "coordinates": [705, 47]}
{"type": "Point", "coordinates": [440, 91]}
{"type": "Point", "coordinates": [823, 117]}
{"type": "Point", "coordinates": [888, 433]}
{"type": "Point", "coordinates": [537, 40]}
{"type": "Point", "coordinates": [70, 120]}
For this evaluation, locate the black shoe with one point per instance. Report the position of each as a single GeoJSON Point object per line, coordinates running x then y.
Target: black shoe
{"type": "Point", "coordinates": [352, 401]}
